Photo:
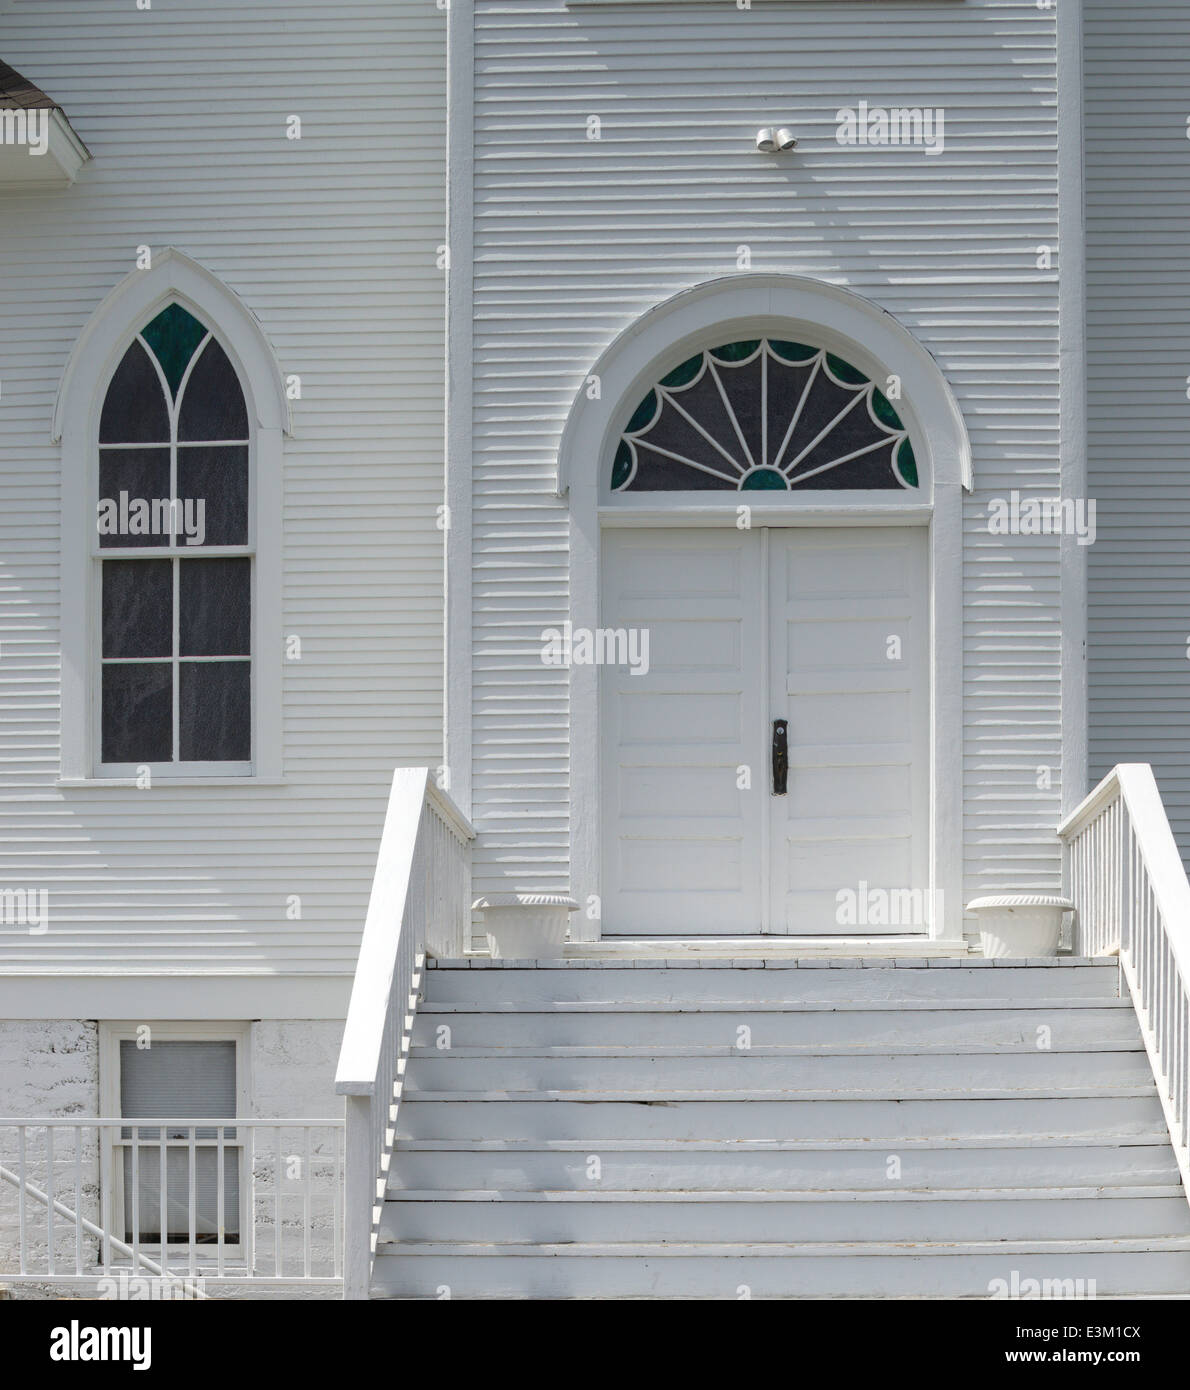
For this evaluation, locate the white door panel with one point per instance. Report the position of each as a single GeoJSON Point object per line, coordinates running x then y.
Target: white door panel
{"type": "Point", "coordinates": [826, 628]}
{"type": "Point", "coordinates": [849, 664]}
{"type": "Point", "coordinates": [681, 840]}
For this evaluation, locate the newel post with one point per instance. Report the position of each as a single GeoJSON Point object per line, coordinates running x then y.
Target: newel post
{"type": "Point", "coordinates": [359, 1198]}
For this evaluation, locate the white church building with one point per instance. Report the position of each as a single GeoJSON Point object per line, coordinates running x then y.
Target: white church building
{"type": "Point", "coordinates": [594, 649]}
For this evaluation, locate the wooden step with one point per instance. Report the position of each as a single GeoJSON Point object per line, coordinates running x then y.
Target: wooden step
{"type": "Point", "coordinates": [657, 1031]}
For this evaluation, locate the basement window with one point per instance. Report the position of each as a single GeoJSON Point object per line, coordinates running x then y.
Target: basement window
{"type": "Point", "coordinates": [170, 1174]}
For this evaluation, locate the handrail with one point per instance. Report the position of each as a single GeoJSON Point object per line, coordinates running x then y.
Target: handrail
{"type": "Point", "coordinates": [274, 1214]}
{"type": "Point", "coordinates": [419, 902]}
{"type": "Point", "coordinates": [1132, 896]}
{"type": "Point", "coordinates": [189, 1290]}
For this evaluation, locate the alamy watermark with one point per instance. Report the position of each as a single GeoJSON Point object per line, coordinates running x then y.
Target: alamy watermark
{"type": "Point", "coordinates": [1043, 516]}
{"type": "Point", "coordinates": [153, 516]}
{"type": "Point", "coordinates": [603, 646]}
{"type": "Point", "coordinates": [866, 906]}
{"type": "Point", "coordinates": [1030, 1289]}
{"type": "Point", "coordinates": [29, 128]}
{"type": "Point", "coordinates": [920, 126]}
{"type": "Point", "coordinates": [25, 907]}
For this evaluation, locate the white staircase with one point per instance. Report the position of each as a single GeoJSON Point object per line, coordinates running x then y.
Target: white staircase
{"type": "Point", "coordinates": [779, 1128]}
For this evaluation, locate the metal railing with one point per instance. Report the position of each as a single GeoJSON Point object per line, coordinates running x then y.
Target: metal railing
{"type": "Point", "coordinates": [420, 901]}
{"type": "Point", "coordinates": [1131, 895]}
{"type": "Point", "coordinates": [186, 1201]}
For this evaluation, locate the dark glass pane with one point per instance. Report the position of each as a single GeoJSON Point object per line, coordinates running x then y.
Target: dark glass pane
{"type": "Point", "coordinates": [907, 463]}
{"type": "Point", "coordinates": [674, 433]}
{"type": "Point", "coordinates": [173, 335]}
{"type": "Point", "coordinates": [743, 389]}
{"type": "Point", "coordinates": [215, 705]}
{"type": "Point", "coordinates": [142, 475]}
{"type": "Point", "coordinates": [872, 470]}
{"type": "Point", "coordinates": [659, 473]}
{"type": "Point", "coordinates": [138, 713]}
{"type": "Point", "coordinates": [855, 433]}
{"type": "Point", "coordinates": [137, 608]}
{"type": "Point", "coordinates": [213, 403]}
{"type": "Point", "coordinates": [134, 409]}
{"type": "Point", "coordinates": [218, 479]}
{"type": "Point", "coordinates": [216, 611]}
{"type": "Point", "coordinates": [735, 352]}
{"type": "Point", "coordinates": [787, 386]}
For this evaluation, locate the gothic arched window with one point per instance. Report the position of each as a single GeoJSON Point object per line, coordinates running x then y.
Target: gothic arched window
{"type": "Point", "coordinates": [174, 524]}
{"type": "Point", "coordinates": [764, 414]}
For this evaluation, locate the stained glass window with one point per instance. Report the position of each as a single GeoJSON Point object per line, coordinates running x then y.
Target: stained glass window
{"type": "Point", "coordinates": [764, 415]}
{"type": "Point", "coordinates": [176, 564]}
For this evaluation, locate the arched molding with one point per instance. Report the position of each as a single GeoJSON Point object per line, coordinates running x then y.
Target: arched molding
{"type": "Point", "coordinates": [133, 302]}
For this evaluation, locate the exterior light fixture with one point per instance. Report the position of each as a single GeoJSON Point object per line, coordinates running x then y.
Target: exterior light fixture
{"type": "Point", "coordinates": [770, 140]}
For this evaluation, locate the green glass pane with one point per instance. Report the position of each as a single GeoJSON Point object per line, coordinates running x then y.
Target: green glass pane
{"type": "Point", "coordinates": [643, 413]}
{"type": "Point", "coordinates": [845, 371]}
{"type": "Point", "coordinates": [683, 375]}
{"type": "Point", "coordinates": [622, 467]}
{"type": "Point", "coordinates": [735, 352]}
{"type": "Point", "coordinates": [883, 410]}
{"type": "Point", "coordinates": [792, 352]}
{"type": "Point", "coordinates": [907, 463]}
{"type": "Point", "coordinates": [173, 335]}
{"type": "Point", "coordinates": [765, 480]}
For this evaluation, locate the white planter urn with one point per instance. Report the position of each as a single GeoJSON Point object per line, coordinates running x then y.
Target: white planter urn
{"type": "Point", "coordinates": [525, 926]}
{"type": "Point", "coordinates": [1019, 925]}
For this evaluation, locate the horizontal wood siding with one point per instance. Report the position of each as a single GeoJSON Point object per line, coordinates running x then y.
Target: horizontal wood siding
{"type": "Point", "coordinates": [332, 242]}
{"type": "Point", "coordinates": [1138, 310]}
{"type": "Point", "coordinates": [575, 238]}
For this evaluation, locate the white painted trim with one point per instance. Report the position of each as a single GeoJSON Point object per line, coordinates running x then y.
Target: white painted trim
{"type": "Point", "coordinates": [76, 414]}
{"type": "Point", "coordinates": [361, 1057]}
{"type": "Point", "coordinates": [875, 342]}
{"type": "Point", "coordinates": [40, 994]}
{"type": "Point", "coordinates": [1072, 357]}
{"type": "Point", "coordinates": [457, 711]}
{"type": "Point", "coordinates": [649, 514]}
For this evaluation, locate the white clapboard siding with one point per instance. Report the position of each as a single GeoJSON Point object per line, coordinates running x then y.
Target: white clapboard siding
{"type": "Point", "coordinates": [575, 238]}
{"type": "Point", "coordinates": [332, 242]}
{"type": "Point", "coordinates": [1138, 309]}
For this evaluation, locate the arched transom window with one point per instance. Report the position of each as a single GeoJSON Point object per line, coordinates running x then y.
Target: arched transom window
{"type": "Point", "coordinates": [173, 523]}
{"type": "Point", "coordinates": [764, 414]}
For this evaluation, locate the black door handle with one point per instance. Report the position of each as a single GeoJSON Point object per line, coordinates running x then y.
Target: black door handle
{"type": "Point", "coordinates": [780, 756]}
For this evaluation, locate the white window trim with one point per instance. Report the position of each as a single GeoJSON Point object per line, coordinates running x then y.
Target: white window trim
{"type": "Point", "coordinates": [111, 1035]}
{"type": "Point", "coordinates": [98, 350]}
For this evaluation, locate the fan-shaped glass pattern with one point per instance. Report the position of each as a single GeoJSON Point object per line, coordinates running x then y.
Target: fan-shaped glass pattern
{"type": "Point", "coordinates": [764, 415]}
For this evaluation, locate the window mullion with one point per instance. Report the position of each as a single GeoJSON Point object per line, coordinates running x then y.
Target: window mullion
{"type": "Point", "coordinates": [177, 647]}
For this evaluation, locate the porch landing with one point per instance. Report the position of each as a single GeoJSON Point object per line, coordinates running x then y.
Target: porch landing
{"type": "Point", "coordinates": [833, 948]}
{"type": "Point", "coordinates": [744, 953]}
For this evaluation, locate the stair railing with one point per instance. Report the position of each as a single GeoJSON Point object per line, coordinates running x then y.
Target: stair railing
{"type": "Point", "coordinates": [420, 902]}
{"type": "Point", "coordinates": [195, 1201]}
{"type": "Point", "coordinates": [108, 1241]}
{"type": "Point", "coordinates": [1132, 897]}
